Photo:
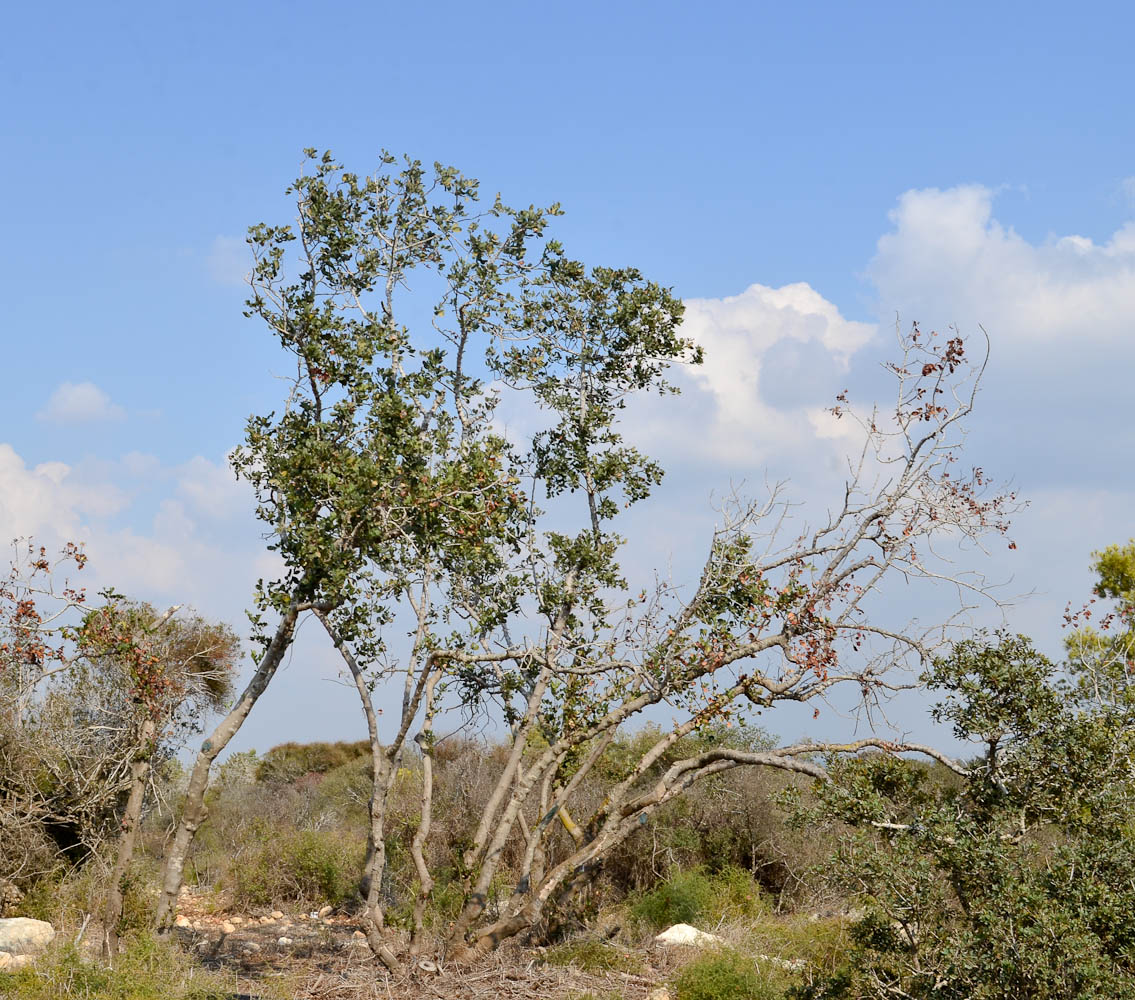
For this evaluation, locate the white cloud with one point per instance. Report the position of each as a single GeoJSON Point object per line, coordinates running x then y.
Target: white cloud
{"type": "Point", "coordinates": [167, 534]}
{"type": "Point", "coordinates": [34, 501]}
{"type": "Point", "coordinates": [212, 489]}
{"type": "Point", "coordinates": [228, 260]}
{"type": "Point", "coordinates": [774, 359]}
{"type": "Point", "coordinates": [80, 403]}
{"type": "Point", "coordinates": [949, 260]}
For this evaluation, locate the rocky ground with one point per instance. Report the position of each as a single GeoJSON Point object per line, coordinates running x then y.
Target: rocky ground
{"type": "Point", "coordinates": [324, 956]}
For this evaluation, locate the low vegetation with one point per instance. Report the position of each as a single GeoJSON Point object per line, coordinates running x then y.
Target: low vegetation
{"type": "Point", "coordinates": [726, 974]}
{"type": "Point", "coordinates": [145, 969]}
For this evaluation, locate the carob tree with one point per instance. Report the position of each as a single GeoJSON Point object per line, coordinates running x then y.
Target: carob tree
{"type": "Point", "coordinates": [459, 566]}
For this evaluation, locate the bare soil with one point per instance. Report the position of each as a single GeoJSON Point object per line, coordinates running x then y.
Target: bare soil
{"type": "Point", "coordinates": [327, 958]}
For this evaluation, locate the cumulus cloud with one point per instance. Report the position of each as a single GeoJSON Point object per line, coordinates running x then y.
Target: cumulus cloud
{"type": "Point", "coordinates": [180, 533]}
{"type": "Point", "coordinates": [1060, 313]}
{"type": "Point", "coordinates": [774, 359]}
{"type": "Point", "coordinates": [211, 488]}
{"type": "Point", "coordinates": [34, 501]}
{"type": "Point", "coordinates": [948, 258]}
{"type": "Point", "coordinates": [80, 403]}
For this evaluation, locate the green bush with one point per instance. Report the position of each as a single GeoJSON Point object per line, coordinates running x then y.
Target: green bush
{"type": "Point", "coordinates": [67, 896]}
{"type": "Point", "coordinates": [822, 943]}
{"type": "Point", "coordinates": [680, 899]}
{"type": "Point", "coordinates": [686, 897]}
{"type": "Point", "coordinates": [723, 975]}
{"type": "Point", "coordinates": [591, 955]}
{"type": "Point", "coordinates": [306, 866]}
{"type": "Point", "coordinates": [290, 761]}
{"type": "Point", "coordinates": [41, 901]}
{"type": "Point", "coordinates": [343, 795]}
{"type": "Point", "coordinates": [147, 970]}
{"type": "Point", "coordinates": [736, 894]}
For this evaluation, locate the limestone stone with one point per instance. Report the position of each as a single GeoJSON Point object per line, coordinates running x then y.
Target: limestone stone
{"type": "Point", "coordinates": [684, 934]}
{"type": "Point", "coordinates": [24, 936]}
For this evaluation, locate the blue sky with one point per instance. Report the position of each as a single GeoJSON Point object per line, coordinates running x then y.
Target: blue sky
{"type": "Point", "coordinates": [964, 163]}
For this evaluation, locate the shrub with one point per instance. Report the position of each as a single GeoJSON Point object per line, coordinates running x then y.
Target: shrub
{"type": "Point", "coordinates": [307, 865]}
{"type": "Point", "coordinates": [686, 897]}
{"type": "Point", "coordinates": [723, 975]}
{"type": "Point", "coordinates": [290, 761]}
{"type": "Point", "coordinates": [680, 899]}
{"type": "Point", "coordinates": [591, 955]}
{"type": "Point", "coordinates": [736, 894]}
{"type": "Point", "coordinates": [69, 895]}
{"type": "Point", "coordinates": [147, 970]}
{"type": "Point", "coordinates": [822, 943]}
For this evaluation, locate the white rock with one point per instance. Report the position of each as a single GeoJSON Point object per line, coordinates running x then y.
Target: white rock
{"type": "Point", "coordinates": [284, 942]}
{"type": "Point", "coordinates": [276, 915]}
{"type": "Point", "coordinates": [684, 934]}
{"type": "Point", "coordinates": [324, 911]}
{"type": "Point", "coordinates": [659, 994]}
{"type": "Point", "coordinates": [266, 920]}
{"type": "Point", "coordinates": [359, 936]}
{"type": "Point", "coordinates": [228, 928]}
{"type": "Point", "coordinates": [236, 920]}
{"type": "Point", "coordinates": [22, 935]}
{"type": "Point", "coordinates": [182, 921]}
{"type": "Point", "coordinates": [793, 964]}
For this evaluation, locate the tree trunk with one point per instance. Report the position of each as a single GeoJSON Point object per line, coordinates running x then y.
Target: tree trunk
{"type": "Point", "coordinates": [194, 811]}
{"type": "Point", "coordinates": [383, 773]}
{"type": "Point", "coordinates": [139, 772]}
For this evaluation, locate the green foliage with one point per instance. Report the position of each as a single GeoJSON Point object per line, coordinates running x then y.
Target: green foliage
{"type": "Point", "coordinates": [147, 969]}
{"type": "Point", "coordinates": [724, 975]}
{"type": "Point", "coordinates": [687, 896]}
{"type": "Point", "coordinates": [384, 455]}
{"type": "Point", "coordinates": [680, 899]}
{"type": "Point", "coordinates": [139, 897]}
{"type": "Point", "coordinates": [41, 901]}
{"type": "Point", "coordinates": [67, 895]}
{"type": "Point", "coordinates": [821, 943]}
{"type": "Point", "coordinates": [1013, 880]}
{"type": "Point", "coordinates": [592, 955]}
{"type": "Point", "coordinates": [736, 894]}
{"type": "Point", "coordinates": [87, 689]}
{"type": "Point", "coordinates": [289, 761]}
{"type": "Point", "coordinates": [307, 866]}
{"type": "Point", "coordinates": [1102, 654]}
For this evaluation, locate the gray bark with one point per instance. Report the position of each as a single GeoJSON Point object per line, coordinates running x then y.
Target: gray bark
{"type": "Point", "coordinates": [194, 811]}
